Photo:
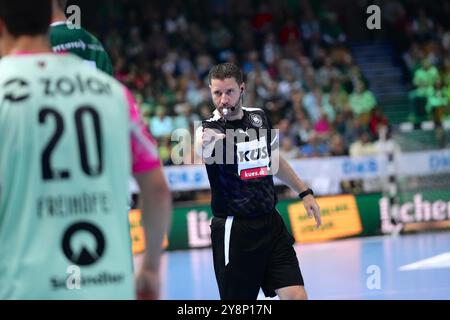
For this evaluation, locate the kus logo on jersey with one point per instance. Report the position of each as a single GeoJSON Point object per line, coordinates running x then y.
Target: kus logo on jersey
{"type": "Point", "coordinates": [253, 159]}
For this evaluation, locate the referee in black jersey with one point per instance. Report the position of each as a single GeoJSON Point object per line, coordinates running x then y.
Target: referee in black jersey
{"type": "Point", "coordinates": [252, 248]}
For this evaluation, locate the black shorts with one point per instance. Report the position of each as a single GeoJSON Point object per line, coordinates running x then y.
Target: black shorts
{"type": "Point", "coordinates": [253, 253]}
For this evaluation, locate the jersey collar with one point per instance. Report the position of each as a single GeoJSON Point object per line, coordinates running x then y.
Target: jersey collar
{"type": "Point", "coordinates": [57, 23]}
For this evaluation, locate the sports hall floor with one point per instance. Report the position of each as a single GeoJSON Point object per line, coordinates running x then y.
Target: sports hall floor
{"type": "Point", "coordinates": [413, 266]}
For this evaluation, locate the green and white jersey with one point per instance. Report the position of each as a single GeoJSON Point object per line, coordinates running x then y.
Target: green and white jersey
{"type": "Point", "coordinates": [63, 38]}
{"type": "Point", "coordinates": [65, 160]}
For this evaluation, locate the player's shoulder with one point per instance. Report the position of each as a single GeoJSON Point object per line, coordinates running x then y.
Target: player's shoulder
{"type": "Point", "coordinates": [27, 65]}
{"type": "Point", "coordinates": [255, 111]}
{"type": "Point", "coordinates": [60, 32]}
{"type": "Point", "coordinates": [215, 117]}
{"type": "Point", "coordinates": [213, 121]}
{"type": "Point", "coordinates": [78, 66]}
{"type": "Point", "coordinates": [5, 64]}
{"type": "Point", "coordinates": [63, 33]}
{"type": "Point", "coordinates": [91, 40]}
{"type": "Point", "coordinates": [65, 28]}
{"type": "Point", "coordinates": [252, 109]}
{"type": "Point", "coordinates": [257, 116]}
{"type": "Point", "coordinates": [115, 84]}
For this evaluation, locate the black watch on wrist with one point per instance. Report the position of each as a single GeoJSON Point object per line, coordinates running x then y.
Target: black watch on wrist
{"type": "Point", "coordinates": [305, 193]}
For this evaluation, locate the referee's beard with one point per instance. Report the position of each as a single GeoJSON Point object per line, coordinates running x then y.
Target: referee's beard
{"type": "Point", "coordinates": [234, 112]}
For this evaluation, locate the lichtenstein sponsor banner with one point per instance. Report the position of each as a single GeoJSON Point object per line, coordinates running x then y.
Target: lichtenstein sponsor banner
{"type": "Point", "coordinates": [198, 228]}
{"type": "Point", "coordinates": [418, 211]}
{"type": "Point", "coordinates": [340, 218]}
{"type": "Point", "coordinates": [190, 227]}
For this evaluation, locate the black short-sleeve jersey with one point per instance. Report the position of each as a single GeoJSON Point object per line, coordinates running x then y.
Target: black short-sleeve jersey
{"type": "Point", "coordinates": [240, 176]}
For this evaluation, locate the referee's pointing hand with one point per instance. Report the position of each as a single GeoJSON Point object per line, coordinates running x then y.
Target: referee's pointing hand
{"type": "Point", "coordinates": [210, 135]}
{"type": "Point", "coordinates": [312, 208]}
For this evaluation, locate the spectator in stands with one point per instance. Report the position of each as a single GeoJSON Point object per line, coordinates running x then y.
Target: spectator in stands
{"type": "Point", "coordinates": [297, 69]}
{"type": "Point", "coordinates": [332, 31]}
{"type": "Point", "coordinates": [161, 125]}
{"type": "Point", "coordinates": [312, 103]}
{"type": "Point", "coordinates": [422, 26]}
{"type": "Point", "coordinates": [181, 121]}
{"type": "Point", "coordinates": [437, 103]}
{"type": "Point", "coordinates": [322, 126]}
{"type": "Point", "coordinates": [377, 120]}
{"type": "Point", "coordinates": [314, 148]}
{"type": "Point", "coordinates": [301, 128]}
{"type": "Point", "coordinates": [326, 74]}
{"type": "Point", "coordinates": [196, 91]}
{"type": "Point", "coordinates": [362, 101]}
{"type": "Point", "coordinates": [424, 80]}
{"type": "Point", "coordinates": [412, 58]}
{"type": "Point", "coordinates": [340, 124]}
{"type": "Point", "coordinates": [425, 77]}
{"type": "Point", "coordinates": [337, 98]}
{"type": "Point", "coordinates": [363, 146]}
{"type": "Point", "coordinates": [337, 146]}
{"type": "Point", "coordinates": [288, 150]}
{"type": "Point", "coordinates": [284, 130]}
{"type": "Point", "coordinates": [445, 73]}
{"type": "Point", "coordinates": [164, 150]}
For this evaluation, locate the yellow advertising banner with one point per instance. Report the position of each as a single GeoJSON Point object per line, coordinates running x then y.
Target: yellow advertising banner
{"type": "Point", "coordinates": [340, 218]}
{"type": "Point", "coordinates": [137, 232]}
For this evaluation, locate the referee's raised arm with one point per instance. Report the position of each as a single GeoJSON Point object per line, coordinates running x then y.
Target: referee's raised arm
{"type": "Point", "coordinates": [204, 141]}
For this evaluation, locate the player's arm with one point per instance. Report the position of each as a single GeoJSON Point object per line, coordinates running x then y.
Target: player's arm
{"type": "Point", "coordinates": [156, 208]}
{"type": "Point", "coordinates": [155, 199]}
{"type": "Point", "coordinates": [288, 176]}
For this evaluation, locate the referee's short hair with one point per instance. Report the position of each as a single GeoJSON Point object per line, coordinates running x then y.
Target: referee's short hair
{"type": "Point", "coordinates": [26, 18]}
{"type": "Point", "coordinates": [226, 70]}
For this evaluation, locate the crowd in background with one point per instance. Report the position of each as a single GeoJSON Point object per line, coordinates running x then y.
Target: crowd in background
{"type": "Point", "coordinates": [296, 61]}
{"type": "Point", "coordinates": [422, 37]}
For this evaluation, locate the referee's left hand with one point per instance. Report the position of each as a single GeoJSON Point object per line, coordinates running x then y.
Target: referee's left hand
{"type": "Point", "coordinates": [312, 208]}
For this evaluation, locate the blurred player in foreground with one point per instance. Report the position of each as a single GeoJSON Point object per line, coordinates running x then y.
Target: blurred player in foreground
{"type": "Point", "coordinates": [69, 138]}
{"type": "Point", "coordinates": [77, 40]}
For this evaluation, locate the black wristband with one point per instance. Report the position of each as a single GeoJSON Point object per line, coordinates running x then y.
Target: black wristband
{"type": "Point", "coordinates": [305, 193]}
